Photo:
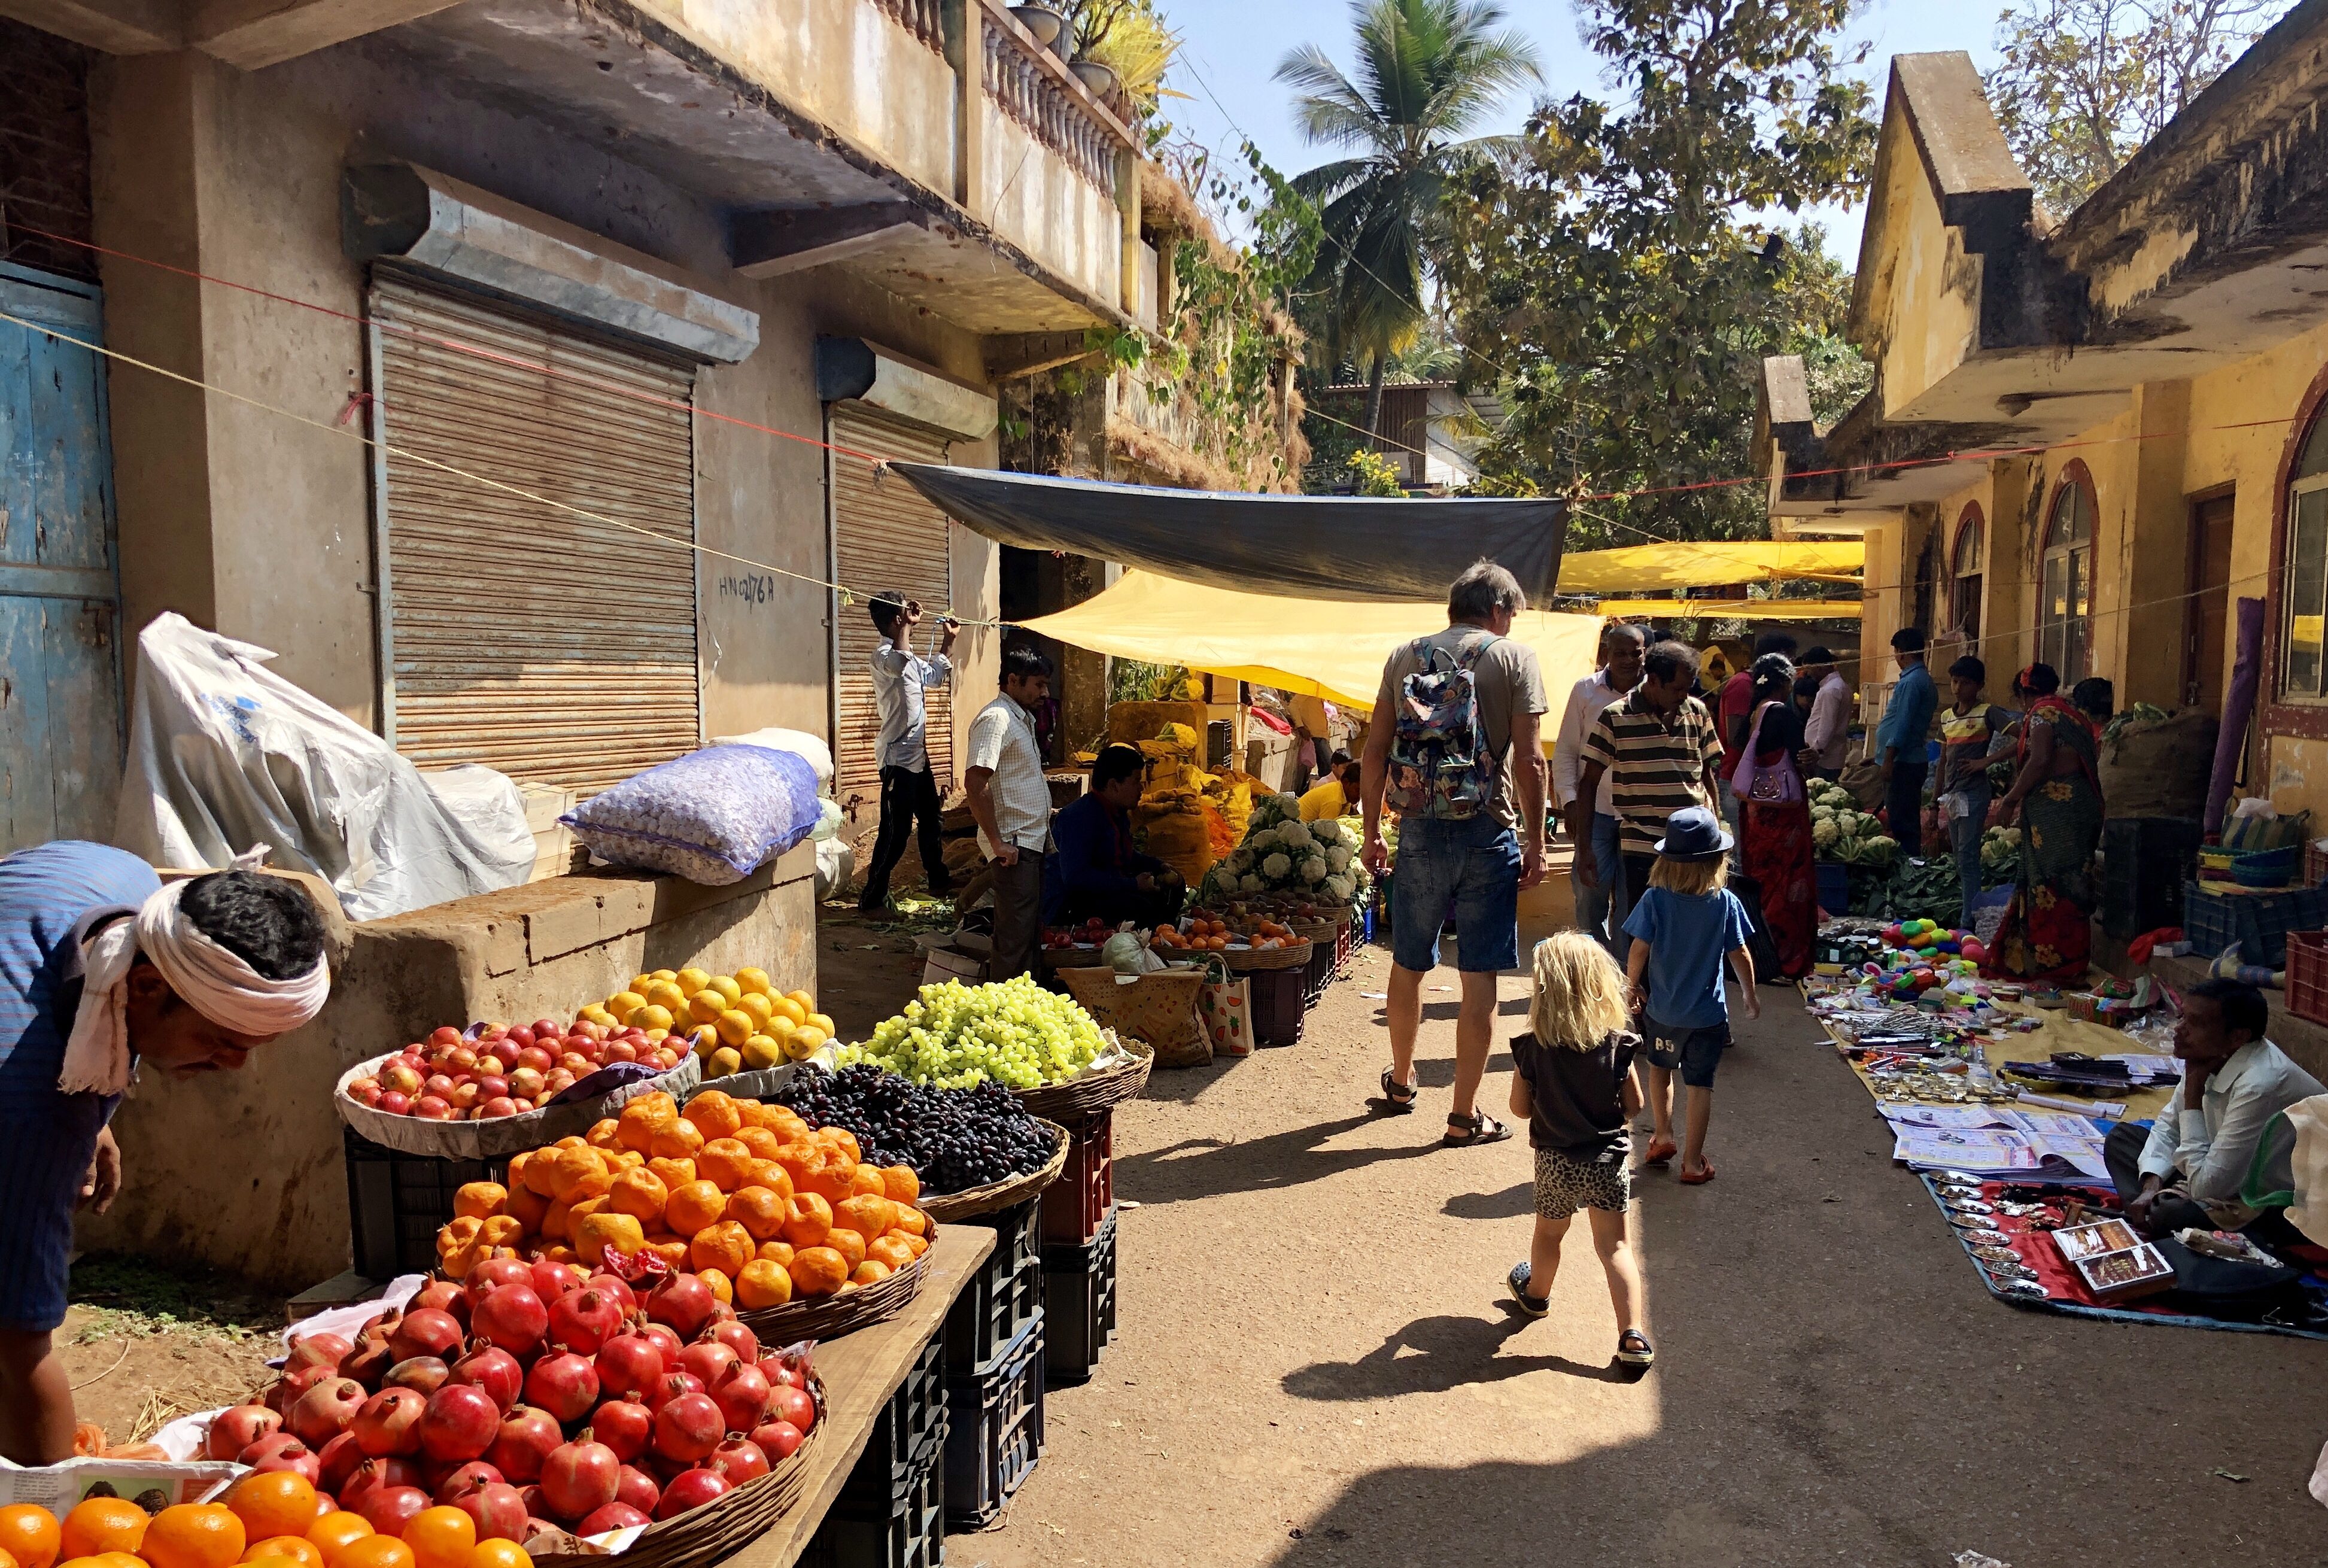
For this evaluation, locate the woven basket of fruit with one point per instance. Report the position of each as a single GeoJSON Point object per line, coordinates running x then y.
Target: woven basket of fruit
{"type": "Point", "coordinates": [996, 1196]}
{"type": "Point", "coordinates": [1078, 1100]}
{"type": "Point", "coordinates": [828, 1317]}
{"type": "Point", "coordinates": [971, 1150]}
{"type": "Point", "coordinates": [1269, 952]}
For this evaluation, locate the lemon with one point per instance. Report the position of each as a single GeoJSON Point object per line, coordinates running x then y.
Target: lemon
{"type": "Point", "coordinates": [760, 1051]}
{"type": "Point", "coordinates": [639, 982]}
{"type": "Point", "coordinates": [653, 1017]}
{"type": "Point", "coordinates": [786, 1008]}
{"type": "Point", "coordinates": [666, 994]}
{"type": "Point", "coordinates": [595, 1014]}
{"type": "Point", "coordinates": [703, 1040]}
{"type": "Point", "coordinates": [725, 984]}
{"type": "Point", "coordinates": [756, 982]}
{"type": "Point", "coordinates": [691, 980]}
{"type": "Point", "coordinates": [727, 1059]}
{"type": "Point", "coordinates": [819, 1021]}
{"type": "Point", "coordinates": [624, 1003]}
{"type": "Point", "coordinates": [657, 1037]}
{"type": "Point", "coordinates": [663, 974]}
{"type": "Point", "coordinates": [780, 1028]}
{"type": "Point", "coordinates": [735, 1027]}
{"type": "Point", "coordinates": [807, 1002]}
{"type": "Point", "coordinates": [757, 1006]}
{"type": "Point", "coordinates": [705, 1005]}
{"type": "Point", "coordinates": [800, 1046]}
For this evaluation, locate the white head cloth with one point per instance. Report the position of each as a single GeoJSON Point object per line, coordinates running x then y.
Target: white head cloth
{"type": "Point", "coordinates": [208, 978]}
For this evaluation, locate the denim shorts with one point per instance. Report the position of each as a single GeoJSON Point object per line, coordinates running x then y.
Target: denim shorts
{"type": "Point", "coordinates": [1696, 1052]}
{"type": "Point", "coordinates": [1470, 868]}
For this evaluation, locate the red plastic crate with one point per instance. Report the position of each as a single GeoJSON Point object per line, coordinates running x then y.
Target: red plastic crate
{"type": "Point", "coordinates": [1076, 1204]}
{"type": "Point", "coordinates": [2307, 975]}
{"type": "Point", "coordinates": [2315, 865]}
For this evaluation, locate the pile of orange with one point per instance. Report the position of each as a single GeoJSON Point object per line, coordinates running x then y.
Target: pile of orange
{"type": "Point", "coordinates": [1202, 936]}
{"type": "Point", "coordinates": [271, 1519]}
{"type": "Point", "coordinates": [742, 1193]}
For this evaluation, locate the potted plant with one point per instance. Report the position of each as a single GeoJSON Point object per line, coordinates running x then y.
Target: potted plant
{"type": "Point", "coordinates": [1045, 23]}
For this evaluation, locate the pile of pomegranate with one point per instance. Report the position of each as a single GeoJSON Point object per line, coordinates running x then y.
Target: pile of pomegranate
{"type": "Point", "coordinates": [497, 1070]}
{"type": "Point", "coordinates": [532, 1398]}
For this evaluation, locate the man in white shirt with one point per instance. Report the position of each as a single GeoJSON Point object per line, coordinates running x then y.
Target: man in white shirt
{"type": "Point", "coordinates": [1601, 908]}
{"type": "Point", "coordinates": [1012, 801]}
{"type": "Point", "coordinates": [2188, 1168]}
{"type": "Point", "coordinates": [909, 791]}
{"type": "Point", "coordinates": [1827, 732]}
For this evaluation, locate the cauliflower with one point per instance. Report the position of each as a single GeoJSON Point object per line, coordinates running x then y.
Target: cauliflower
{"type": "Point", "coordinates": [1824, 832]}
{"type": "Point", "coordinates": [1277, 868]}
{"type": "Point", "coordinates": [1338, 859]}
{"type": "Point", "coordinates": [1250, 885]}
{"type": "Point", "coordinates": [1313, 869]}
{"type": "Point", "coordinates": [1340, 889]}
{"type": "Point", "coordinates": [1295, 837]}
{"type": "Point", "coordinates": [1262, 839]}
{"type": "Point", "coordinates": [1822, 813]}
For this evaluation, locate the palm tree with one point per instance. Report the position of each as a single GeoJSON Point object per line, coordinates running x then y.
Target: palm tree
{"type": "Point", "coordinates": [1428, 71]}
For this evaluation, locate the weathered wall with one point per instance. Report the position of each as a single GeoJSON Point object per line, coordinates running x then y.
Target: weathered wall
{"type": "Point", "coordinates": [1930, 296]}
{"type": "Point", "coordinates": [1038, 203]}
{"type": "Point", "coordinates": [244, 1172]}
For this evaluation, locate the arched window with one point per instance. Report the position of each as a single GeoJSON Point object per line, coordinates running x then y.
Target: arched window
{"type": "Point", "coordinates": [1964, 568]}
{"type": "Point", "coordinates": [2302, 594]}
{"type": "Point", "coordinates": [2065, 627]}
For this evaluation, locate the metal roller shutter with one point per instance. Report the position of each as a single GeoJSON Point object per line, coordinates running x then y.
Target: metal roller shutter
{"type": "Point", "coordinates": [544, 644]}
{"type": "Point", "coordinates": [884, 536]}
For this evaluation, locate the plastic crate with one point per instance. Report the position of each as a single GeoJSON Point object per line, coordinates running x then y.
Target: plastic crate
{"type": "Point", "coordinates": [1834, 887]}
{"type": "Point", "coordinates": [2258, 922]}
{"type": "Point", "coordinates": [908, 1530]}
{"type": "Point", "coordinates": [1003, 1296]}
{"type": "Point", "coordinates": [1345, 945]}
{"type": "Point", "coordinates": [907, 1435]}
{"type": "Point", "coordinates": [1079, 1202]}
{"type": "Point", "coordinates": [1079, 1305]}
{"type": "Point", "coordinates": [2316, 864]}
{"type": "Point", "coordinates": [2145, 860]}
{"type": "Point", "coordinates": [1278, 1006]}
{"type": "Point", "coordinates": [1317, 974]}
{"type": "Point", "coordinates": [2307, 975]}
{"type": "Point", "coordinates": [995, 1434]}
{"type": "Point", "coordinates": [398, 1202]}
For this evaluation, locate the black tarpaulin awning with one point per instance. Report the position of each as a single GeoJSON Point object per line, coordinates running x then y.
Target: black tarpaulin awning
{"type": "Point", "coordinates": [1325, 546]}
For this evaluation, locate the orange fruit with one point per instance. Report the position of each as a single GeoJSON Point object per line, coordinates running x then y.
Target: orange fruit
{"type": "Point", "coordinates": [604, 1135]}
{"type": "Point", "coordinates": [763, 1284]}
{"type": "Point", "coordinates": [441, 1538]}
{"type": "Point", "coordinates": [529, 1208]}
{"type": "Point", "coordinates": [769, 1174]}
{"type": "Point", "coordinates": [818, 1271]}
{"type": "Point", "coordinates": [103, 1524]}
{"type": "Point", "coordinates": [673, 1174]}
{"type": "Point", "coordinates": [851, 1244]}
{"type": "Point", "coordinates": [867, 1181]}
{"type": "Point", "coordinates": [273, 1503]}
{"type": "Point", "coordinates": [677, 1140]}
{"type": "Point", "coordinates": [498, 1553]}
{"type": "Point", "coordinates": [640, 1194]}
{"type": "Point", "coordinates": [900, 1184]}
{"type": "Point", "coordinates": [831, 1181]}
{"type": "Point", "coordinates": [483, 1199]}
{"type": "Point", "coordinates": [598, 1235]}
{"type": "Point", "coordinates": [890, 1249]}
{"type": "Point", "coordinates": [106, 1560]}
{"type": "Point", "coordinates": [670, 1249]}
{"type": "Point", "coordinates": [195, 1535]}
{"type": "Point", "coordinates": [845, 1138]}
{"type": "Point", "coordinates": [725, 1245]}
{"type": "Point", "coordinates": [635, 1127]}
{"type": "Point", "coordinates": [296, 1548]}
{"type": "Point", "coordinates": [910, 1220]}
{"type": "Point", "coordinates": [714, 1114]}
{"type": "Point", "coordinates": [573, 1170]}
{"type": "Point", "coordinates": [919, 1245]}
{"type": "Point", "coordinates": [693, 1206]}
{"type": "Point", "coordinates": [868, 1216]}
{"type": "Point", "coordinates": [786, 1124]}
{"type": "Point", "coordinates": [762, 1142]}
{"type": "Point", "coordinates": [777, 1253]}
{"type": "Point", "coordinates": [871, 1271]}
{"type": "Point", "coordinates": [375, 1552]}
{"type": "Point", "coordinates": [331, 1534]}
{"type": "Point", "coordinates": [757, 1210]}
{"type": "Point", "coordinates": [727, 1163]}
{"type": "Point", "coordinates": [29, 1534]}
{"type": "Point", "coordinates": [557, 1222]}
{"type": "Point", "coordinates": [715, 1280]}
{"type": "Point", "coordinates": [807, 1217]}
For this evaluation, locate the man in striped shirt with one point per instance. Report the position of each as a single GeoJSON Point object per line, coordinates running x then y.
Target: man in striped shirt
{"type": "Point", "coordinates": [1659, 748]}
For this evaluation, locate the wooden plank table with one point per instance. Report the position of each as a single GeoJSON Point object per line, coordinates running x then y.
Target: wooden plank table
{"type": "Point", "coordinates": [860, 1371]}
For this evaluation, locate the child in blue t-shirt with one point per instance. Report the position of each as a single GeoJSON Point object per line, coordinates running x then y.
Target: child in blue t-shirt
{"type": "Point", "coordinates": [1683, 928]}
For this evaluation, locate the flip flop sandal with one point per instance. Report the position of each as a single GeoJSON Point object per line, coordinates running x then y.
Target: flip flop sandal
{"type": "Point", "coordinates": [1478, 1128]}
{"type": "Point", "coordinates": [1633, 1349]}
{"type": "Point", "coordinates": [1397, 1098]}
{"type": "Point", "coordinates": [1660, 1161]}
{"type": "Point", "coordinates": [1700, 1179]}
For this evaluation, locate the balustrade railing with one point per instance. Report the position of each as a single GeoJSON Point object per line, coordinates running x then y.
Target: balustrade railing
{"type": "Point", "coordinates": [1032, 88]}
{"type": "Point", "coordinates": [922, 18]}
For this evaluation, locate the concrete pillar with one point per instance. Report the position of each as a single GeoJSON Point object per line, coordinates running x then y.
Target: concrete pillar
{"type": "Point", "coordinates": [1127, 207]}
{"type": "Point", "coordinates": [2008, 595]}
{"type": "Point", "coordinates": [965, 50]}
{"type": "Point", "coordinates": [2154, 552]}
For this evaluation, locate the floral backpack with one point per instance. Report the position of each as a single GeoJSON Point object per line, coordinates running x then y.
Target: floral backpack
{"type": "Point", "coordinates": [1440, 764]}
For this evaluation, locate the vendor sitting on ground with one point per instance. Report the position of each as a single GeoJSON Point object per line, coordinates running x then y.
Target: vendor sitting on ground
{"type": "Point", "coordinates": [2187, 1167]}
{"type": "Point", "coordinates": [1093, 872]}
{"type": "Point", "coordinates": [1335, 795]}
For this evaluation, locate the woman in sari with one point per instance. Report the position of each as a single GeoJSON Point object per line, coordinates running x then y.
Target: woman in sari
{"type": "Point", "coordinates": [1775, 816]}
{"type": "Point", "coordinates": [2056, 801]}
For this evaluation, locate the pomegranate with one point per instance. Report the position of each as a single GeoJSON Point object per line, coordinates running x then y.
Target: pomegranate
{"type": "Point", "coordinates": [389, 1423]}
{"type": "Point", "coordinates": [553, 1279]}
{"type": "Point", "coordinates": [496, 1508]}
{"type": "Point", "coordinates": [317, 1350]}
{"type": "Point", "coordinates": [779, 1440]}
{"type": "Point", "coordinates": [512, 1316]}
{"type": "Point", "coordinates": [615, 1285]}
{"type": "Point", "coordinates": [736, 1461]}
{"type": "Point", "coordinates": [282, 1451]}
{"type": "Point", "coordinates": [288, 1390]}
{"type": "Point", "coordinates": [793, 1405]}
{"type": "Point", "coordinates": [782, 1373]}
{"type": "Point", "coordinates": [495, 1371]}
{"type": "Point", "coordinates": [624, 1426]}
{"type": "Point", "coordinates": [628, 1363]}
{"type": "Point", "coordinates": [742, 1395]}
{"type": "Point", "coordinates": [495, 1273]}
{"type": "Point", "coordinates": [460, 1421]}
{"type": "Point", "coordinates": [684, 1303]}
{"type": "Point", "coordinates": [688, 1427]}
{"type": "Point", "coordinates": [236, 1427]}
{"type": "Point", "coordinates": [691, 1490]}
{"type": "Point", "coordinates": [709, 1359]}
{"type": "Point", "coordinates": [337, 1462]}
{"type": "Point", "coordinates": [324, 1411]}
{"type": "Point", "coordinates": [535, 1525]}
{"type": "Point", "coordinates": [565, 1385]}
{"type": "Point", "coordinates": [582, 1321]}
{"type": "Point", "coordinates": [638, 1489]}
{"type": "Point", "coordinates": [722, 1311]}
{"type": "Point", "coordinates": [670, 1386]}
{"type": "Point", "coordinates": [427, 1331]}
{"type": "Point", "coordinates": [664, 1341]}
{"type": "Point", "coordinates": [522, 1442]}
{"type": "Point", "coordinates": [737, 1337]}
{"type": "Point", "coordinates": [466, 1478]}
{"type": "Point", "coordinates": [424, 1375]}
{"type": "Point", "coordinates": [374, 1473]}
{"type": "Point", "coordinates": [578, 1478]}
{"type": "Point", "coordinates": [388, 1509]}
{"type": "Point", "coordinates": [617, 1516]}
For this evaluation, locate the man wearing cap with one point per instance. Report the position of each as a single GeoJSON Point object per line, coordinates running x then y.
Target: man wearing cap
{"type": "Point", "coordinates": [1901, 739]}
{"type": "Point", "coordinates": [104, 969]}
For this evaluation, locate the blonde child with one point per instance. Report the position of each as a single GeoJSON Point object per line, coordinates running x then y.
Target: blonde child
{"type": "Point", "coordinates": [1571, 1082]}
{"type": "Point", "coordinates": [1683, 928]}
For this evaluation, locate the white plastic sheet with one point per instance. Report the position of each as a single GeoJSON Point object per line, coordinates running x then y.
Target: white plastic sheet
{"type": "Point", "coordinates": [225, 754]}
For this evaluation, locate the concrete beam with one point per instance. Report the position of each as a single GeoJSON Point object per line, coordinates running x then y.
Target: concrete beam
{"type": "Point", "coordinates": [773, 244]}
{"type": "Point", "coordinates": [251, 34]}
{"type": "Point", "coordinates": [112, 26]}
{"type": "Point", "coordinates": [1010, 356]}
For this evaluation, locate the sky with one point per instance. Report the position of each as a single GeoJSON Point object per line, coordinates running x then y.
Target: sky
{"type": "Point", "coordinates": [1230, 49]}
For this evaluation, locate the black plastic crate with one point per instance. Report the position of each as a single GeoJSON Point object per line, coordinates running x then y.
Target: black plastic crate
{"type": "Point", "coordinates": [907, 1532]}
{"type": "Point", "coordinates": [2145, 861]}
{"type": "Point", "coordinates": [1319, 974]}
{"type": "Point", "coordinates": [994, 1435]}
{"type": "Point", "coordinates": [906, 1436]}
{"type": "Point", "coordinates": [1279, 1006]}
{"type": "Point", "coordinates": [398, 1202]}
{"type": "Point", "coordinates": [2258, 922]}
{"type": "Point", "coordinates": [1079, 1306]}
{"type": "Point", "coordinates": [1003, 1297]}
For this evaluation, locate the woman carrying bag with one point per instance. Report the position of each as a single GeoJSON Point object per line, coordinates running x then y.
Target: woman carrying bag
{"type": "Point", "coordinates": [1775, 817]}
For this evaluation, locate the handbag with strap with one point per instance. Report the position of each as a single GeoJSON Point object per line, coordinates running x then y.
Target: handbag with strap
{"type": "Point", "coordinates": [1776, 785]}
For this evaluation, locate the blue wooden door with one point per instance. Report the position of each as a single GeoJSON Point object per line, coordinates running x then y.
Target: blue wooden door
{"type": "Point", "coordinates": [60, 583]}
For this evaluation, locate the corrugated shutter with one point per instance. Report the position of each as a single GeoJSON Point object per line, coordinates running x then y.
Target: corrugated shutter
{"type": "Point", "coordinates": [884, 536]}
{"type": "Point", "coordinates": [524, 637]}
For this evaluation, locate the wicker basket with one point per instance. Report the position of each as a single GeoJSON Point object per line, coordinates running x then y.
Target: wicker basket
{"type": "Point", "coordinates": [711, 1532]}
{"type": "Point", "coordinates": [997, 1196]}
{"type": "Point", "coordinates": [1247, 960]}
{"type": "Point", "coordinates": [1078, 1100]}
{"type": "Point", "coordinates": [1315, 931]}
{"type": "Point", "coordinates": [830, 1317]}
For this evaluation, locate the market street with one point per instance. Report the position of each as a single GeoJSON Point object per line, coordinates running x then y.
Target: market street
{"type": "Point", "coordinates": [1315, 1364]}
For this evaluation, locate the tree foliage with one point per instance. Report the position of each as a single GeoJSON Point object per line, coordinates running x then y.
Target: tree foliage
{"type": "Point", "coordinates": [2085, 83]}
{"type": "Point", "coordinates": [1628, 266]}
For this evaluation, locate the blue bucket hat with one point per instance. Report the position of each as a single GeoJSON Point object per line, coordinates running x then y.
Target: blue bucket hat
{"type": "Point", "coordinates": [1693, 834]}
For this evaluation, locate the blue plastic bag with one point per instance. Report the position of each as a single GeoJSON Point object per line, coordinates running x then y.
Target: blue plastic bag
{"type": "Point", "coordinates": [713, 816]}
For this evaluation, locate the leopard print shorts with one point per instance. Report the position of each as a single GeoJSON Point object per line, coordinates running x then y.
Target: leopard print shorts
{"type": "Point", "coordinates": [1563, 1185]}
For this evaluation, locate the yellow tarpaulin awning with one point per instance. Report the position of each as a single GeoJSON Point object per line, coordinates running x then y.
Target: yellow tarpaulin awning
{"type": "Point", "coordinates": [1711, 564]}
{"type": "Point", "coordinates": [1327, 648]}
{"type": "Point", "coordinates": [1736, 609]}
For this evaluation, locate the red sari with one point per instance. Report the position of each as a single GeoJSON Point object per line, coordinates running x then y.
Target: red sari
{"type": "Point", "coordinates": [1775, 850]}
{"type": "Point", "coordinates": [2048, 929]}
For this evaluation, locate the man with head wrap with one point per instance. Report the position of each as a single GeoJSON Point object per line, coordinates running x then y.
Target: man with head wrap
{"type": "Point", "coordinates": [103, 970]}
